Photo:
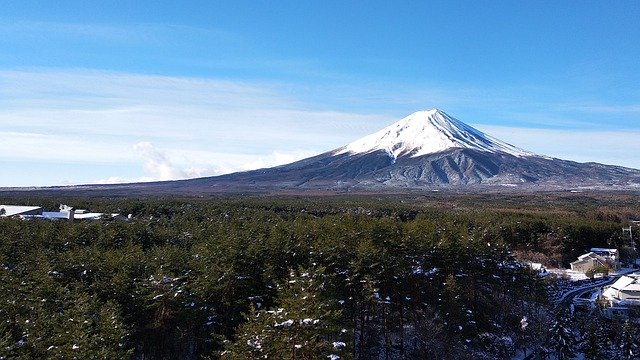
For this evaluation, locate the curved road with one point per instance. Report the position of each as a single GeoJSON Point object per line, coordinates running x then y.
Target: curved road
{"type": "Point", "coordinates": [568, 297]}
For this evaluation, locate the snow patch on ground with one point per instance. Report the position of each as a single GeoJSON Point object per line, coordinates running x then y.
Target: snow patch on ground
{"type": "Point", "coordinates": [572, 275]}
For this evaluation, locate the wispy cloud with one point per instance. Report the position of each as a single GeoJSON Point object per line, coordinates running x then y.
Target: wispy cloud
{"type": "Point", "coordinates": [607, 147]}
{"type": "Point", "coordinates": [198, 127]}
{"type": "Point", "coordinates": [156, 164]}
{"type": "Point", "coordinates": [23, 146]}
{"type": "Point", "coordinates": [147, 34]}
{"type": "Point", "coordinates": [608, 109]}
{"type": "Point", "coordinates": [181, 127]}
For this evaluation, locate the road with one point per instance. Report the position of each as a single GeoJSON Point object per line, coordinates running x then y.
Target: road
{"type": "Point", "coordinates": [567, 298]}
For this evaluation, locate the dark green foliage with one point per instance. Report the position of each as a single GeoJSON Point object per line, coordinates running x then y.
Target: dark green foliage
{"type": "Point", "coordinates": [199, 278]}
{"type": "Point", "coordinates": [562, 339]}
{"type": "Point", "coordinates": [594, 340]}
{"type": "Point", "coordinates": [303, 324]}
{"type": "Point", "coordinates": [628, 342]}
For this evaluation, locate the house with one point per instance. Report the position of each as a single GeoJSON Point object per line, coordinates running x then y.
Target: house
{"type": "Point", "coordinates": [626, 288]}
{"type": "Point", "coordinates": [66, 212]}
{"type": "Point", "coordinates": [71, 213]}
{"type": "Point", "coordinates": [623, 298]}
{"type": "Point", "coordinates": [588, 262]}
{"type": "Point", "coordinates": [18, 210]}
{"type": "Point", "coordinates": [597, 257]}
{"type": "Point", "coordinates": [612, 255]}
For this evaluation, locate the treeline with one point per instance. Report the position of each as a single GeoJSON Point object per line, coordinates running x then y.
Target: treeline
{"type": "Point", "coordinates": [297, 278]}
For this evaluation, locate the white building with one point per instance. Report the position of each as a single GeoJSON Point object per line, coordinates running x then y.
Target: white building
{"type": "Point", "coordinates": [626, 288]}
{"type": "Point", "coordinates": [70, 213]}
{"type": "Point", "coordinates": [17, 210]}
{"type": "Point", "coordinates": [597, 257]}
{"type": "Point", "coordinates": [612, 255]}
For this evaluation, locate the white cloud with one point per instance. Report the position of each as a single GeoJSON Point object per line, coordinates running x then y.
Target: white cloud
{"type": "Point", "coordinates": [156, 164]}
{"type": "Point", "coordinates": [609, 109]}
{"type": "Point", "coordinates": [192, 127]}
{"type": "Point", "coordinates": [25, 146]}
{"type": "Point", "coordinates": [607, 147]}
{"type": "Point", "coordinates": [202, 126]}
{"type": "Point", "coordinates": [158, 167]}
{"type": "Point", "coordinates": [105, 104]}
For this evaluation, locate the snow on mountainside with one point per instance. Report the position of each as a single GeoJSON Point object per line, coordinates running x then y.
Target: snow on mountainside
{"type": "Point", "coordinates": [425, 150]}
{"type": "Point", "coordinates": [431, 149]}
{"type": "Point", "coordinates": [429, 132]}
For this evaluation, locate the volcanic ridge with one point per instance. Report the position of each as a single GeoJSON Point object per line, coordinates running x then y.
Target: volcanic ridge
{"type": "Point", "coordinates": [427, 150]}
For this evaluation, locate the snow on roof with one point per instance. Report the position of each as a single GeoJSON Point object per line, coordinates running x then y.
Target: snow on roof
{"type": "Point", "coordinates": [635, 275]}
{"type": "Point", "coordinates": [589, 255]}
{"type": "Point", "coordinates": [88, 215]}
{"type": "Point", "coordinates": [11, 210]}
{"type": "Point", "coordinates": [35, 212]}
{"type": "Point", "coordinates": [603, 250]}
{"type": "Point", "coordinates": [632, 287]}
{"type": "Point", "coordinates": [586, 256]}
{"type": "Point", "coordinates": [55, 215]}
{"type": "Point", "coordinates": [65, 215]}
{"type": "Point", "coordinates": [610, 293]}
{"type": "Point", "coordinates": [536, 266]}
{"type": "Point", "coordinates": [623, 282]}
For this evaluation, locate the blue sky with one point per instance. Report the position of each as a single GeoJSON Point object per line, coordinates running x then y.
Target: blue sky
{"type": "Point", "coordinates": [97, 91]}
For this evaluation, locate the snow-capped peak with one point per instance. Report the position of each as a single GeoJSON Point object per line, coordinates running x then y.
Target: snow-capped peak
{"type": "Point", "coordinates": [428, 132]}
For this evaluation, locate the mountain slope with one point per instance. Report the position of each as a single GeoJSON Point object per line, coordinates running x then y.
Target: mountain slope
{"type": "Point", "coordinates": [426, 149]}
{"type": "Point", "coordinates": [428, 132]}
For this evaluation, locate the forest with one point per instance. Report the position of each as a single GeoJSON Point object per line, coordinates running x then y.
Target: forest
{"type": "Point", "coordinates": [437, 276]}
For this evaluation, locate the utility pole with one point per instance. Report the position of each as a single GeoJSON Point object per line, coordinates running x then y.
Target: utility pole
{"type": "Point", "coordinates": [628, 237]}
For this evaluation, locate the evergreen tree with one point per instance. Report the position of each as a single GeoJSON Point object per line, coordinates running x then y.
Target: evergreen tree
{"type": "Point", "coordinates": [562, 340]}
{"type": "Point", "coordinates": [303, 325]}
{"type": "Point", "coordinates": [628, 343]}
{"type": "Point", "coordinates": [593, 342]}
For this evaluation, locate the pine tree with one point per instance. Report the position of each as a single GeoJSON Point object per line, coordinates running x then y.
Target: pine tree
{"type": "Point", "coordinates": [303, 325]}
{"type": "Point", "coordinates": [628, 343]}
{"type": "Point", "coordinates": [562, 340]}
{"type": "Point", "coordinates": [592, 344]}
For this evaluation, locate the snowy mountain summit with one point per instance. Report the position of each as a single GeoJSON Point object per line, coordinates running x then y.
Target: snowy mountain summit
{"type": "Point", "coordinates": [426, 150]}
{"type": "Point", "coordinates": [429, 132]}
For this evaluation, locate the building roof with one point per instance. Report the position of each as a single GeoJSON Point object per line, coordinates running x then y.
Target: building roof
{"type": "Point", "coordinates": [55, 215]}
{"type": "Point", "coordinates": [610, 293]}
{"type": "Point", "coordinates": [11, 210]}
{"type": "Point", "coordinates": [604, 250]}
{"type": "Point", "coordinates": [623, 282]}
{"type": "Point", "coordinates": [89, 215]}
{"type": "Point", "coordinates": [82, 216]}
{"type": "Point", "coordinates": [625, 288]}
{"type": "Point", "coordinates": [613, 253]}
{"type": "Point", "coordinates": [632, 287]}
{"type": "Point", "coordinates": [35, 212]}
{"type": "Point", "coordinates": [589, 255]}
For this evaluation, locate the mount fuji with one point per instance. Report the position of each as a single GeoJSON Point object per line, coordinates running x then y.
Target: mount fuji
{"type": "Point", "coordinates": [425, 150]}
{"type": "Point", "coordinates": [428, 132]}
